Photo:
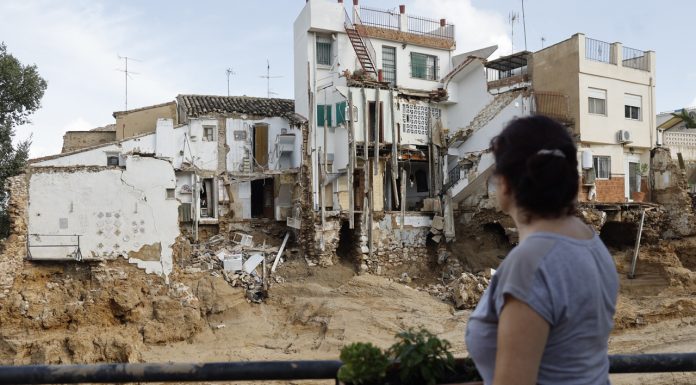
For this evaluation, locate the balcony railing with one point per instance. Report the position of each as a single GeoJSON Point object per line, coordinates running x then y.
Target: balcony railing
{"type": "Point", "coordinates": [429, 27]}
{"type": "Point", "coordinates": [380, 18]}
{"type": "Point", "coordinates": [598, 50]}
{"type": "Point", "coordinates": [635, 58]}
{"type": "Point", "coordinates": [414, 24]}
{"type": "Point", "coordinates": [552, 104]}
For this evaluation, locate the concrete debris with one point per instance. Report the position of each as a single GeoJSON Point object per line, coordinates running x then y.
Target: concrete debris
{"type": "Point", "coordinates": [463, 292]}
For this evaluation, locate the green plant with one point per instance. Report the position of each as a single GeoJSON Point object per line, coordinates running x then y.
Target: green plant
{"type": "Point", "coordinates": [643, 169]}
{"type": "Point", "coordinates": [423, 358]}
{"type": "Point", "coordinates": [363, 364]}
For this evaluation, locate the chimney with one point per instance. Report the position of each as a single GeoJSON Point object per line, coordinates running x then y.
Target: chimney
{"type": "Point", "coordinates": [340, 1]}
{"type": "Point", "coordinates": [443, 22]}
{"type": "Point", "coordinates": [355, 2]}
{"type": "Point", "coordinates": [402, 9]}
{"type": "Point", "coordinates": [380, 75]}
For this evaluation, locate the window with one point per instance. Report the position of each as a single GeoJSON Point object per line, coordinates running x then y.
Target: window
{"type": "Point", "coordinates": [112, 159]}
{"type": "Point", "coordinates": [209, 133]}
{"type": "Point", "coordinates": [597, 101]}
{"type": "Point", "coordinates": [423, 66]}
{"type": "Point", "coordinates": [323, 50]}
{"type": "Point", "coordinates": [340, 113]}
{"type": "Point", "coordinates": [632, 104]}
{"type": "Point", "coordinates": [170, 193]}
{"type": "Point", "coordinates": [321, 116]}
{"type": "Point", "coordinates": [602, 166]}
{"type": "Point", "coordinates": [421, 181]}
{"type": "Point", "coordinates": [389, 65]}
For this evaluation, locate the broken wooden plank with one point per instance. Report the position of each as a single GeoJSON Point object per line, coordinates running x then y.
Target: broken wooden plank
{"type": "Point", "coordinates": [280, 252]}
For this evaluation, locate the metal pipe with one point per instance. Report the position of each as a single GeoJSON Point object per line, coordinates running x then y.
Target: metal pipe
{"type": "Point", "coordinates": [179, 372]}
{"type": "Point", "coordinates": [632, 274]}
{"type": "Point", "coordinates": [279, 370]}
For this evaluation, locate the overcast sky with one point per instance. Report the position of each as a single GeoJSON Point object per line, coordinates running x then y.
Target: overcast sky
{"type": "Point", "coordinates": [185, 47]}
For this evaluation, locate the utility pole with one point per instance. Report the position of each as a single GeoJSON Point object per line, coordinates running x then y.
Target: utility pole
{"type": "Point", "coordinates": [126, 75]}
{"type": "Point", "coordinates": [268, 78]}
{"type": "Point", "coordinates": [512, 19]}
{"type": "Point", "coordinates": [229, 72]}
{"type": "Point", "coordinates": [524, 26]}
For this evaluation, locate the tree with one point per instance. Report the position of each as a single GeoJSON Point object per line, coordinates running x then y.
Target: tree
{"type": "Point", "coordinates": [21, 90]}
{"type": "Point", "coordinates": [686, 118]}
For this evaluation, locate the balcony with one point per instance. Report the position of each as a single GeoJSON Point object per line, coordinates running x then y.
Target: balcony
{"type": "Point", "coordinates": [613, 53]}
{"type": "Point", "coordinates": [508, 72]}
{"type": "Point", "coordinates": [401, 27]}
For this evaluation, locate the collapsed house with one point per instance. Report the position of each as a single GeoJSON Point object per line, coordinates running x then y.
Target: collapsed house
{"type": "Point", "coordinates": [216, 160]}
{"type": "Point", "coordinates": [369, 84]}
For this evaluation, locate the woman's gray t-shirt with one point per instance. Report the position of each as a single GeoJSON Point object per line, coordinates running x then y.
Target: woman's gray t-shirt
{"type": "Point", "coordinates": [573, 285]}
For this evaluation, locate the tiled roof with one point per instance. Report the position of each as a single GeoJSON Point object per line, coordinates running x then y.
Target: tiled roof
{"type": "Point", "coordinates": [200, 105]}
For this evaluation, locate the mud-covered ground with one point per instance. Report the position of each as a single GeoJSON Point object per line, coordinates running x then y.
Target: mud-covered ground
{"type": "Point", "coordinates": [109, 312]}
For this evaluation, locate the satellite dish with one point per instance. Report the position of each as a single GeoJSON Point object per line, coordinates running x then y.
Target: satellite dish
{"type": "Point", "coordinates": [692, 114]}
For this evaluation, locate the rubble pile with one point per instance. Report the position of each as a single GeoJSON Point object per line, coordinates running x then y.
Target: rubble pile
{"type": "Point", "coordinates": [237, 260]}
{"type": "Point", "coordinates": [463, 292]}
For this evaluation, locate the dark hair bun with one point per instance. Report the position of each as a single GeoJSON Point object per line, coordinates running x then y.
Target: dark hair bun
{"type": "Point", "coordinates": [537, 157]}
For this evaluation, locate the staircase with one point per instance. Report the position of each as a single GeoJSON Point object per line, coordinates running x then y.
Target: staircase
{"type": "Point", "coordinates": [362, 46]}
{"type": "Point", "coordinates": [484, 116]}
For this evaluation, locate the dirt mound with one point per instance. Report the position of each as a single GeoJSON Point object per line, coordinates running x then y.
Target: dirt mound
{"type": "Point", "coordinates": [662, 288]}
{"type": "Point", "coordinates": [86, 312]}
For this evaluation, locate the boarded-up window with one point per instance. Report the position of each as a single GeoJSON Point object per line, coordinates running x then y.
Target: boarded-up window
{"type": "Point", "coordinates": [340, 113]}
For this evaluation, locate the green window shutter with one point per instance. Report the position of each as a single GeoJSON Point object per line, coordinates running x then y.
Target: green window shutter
{"type": "Point", "coordinates": [320, 115]}
{"type": "Point", "coordinates": [340, 113]}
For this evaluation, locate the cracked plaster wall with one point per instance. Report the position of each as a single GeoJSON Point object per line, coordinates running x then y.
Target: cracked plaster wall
{"type": "Point", "coordinates": [118, 212]}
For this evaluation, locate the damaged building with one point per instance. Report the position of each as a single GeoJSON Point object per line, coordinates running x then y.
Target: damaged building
{"type": "Point", "coordinates": [207, 162]}
{"type": "Point", "coordinates": [369, 82]}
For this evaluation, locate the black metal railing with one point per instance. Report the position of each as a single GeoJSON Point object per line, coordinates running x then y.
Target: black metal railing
{"type": "Point", "coordinates": [493, 74]}
{"type": "Point", "coordinates": [429, 27]}
{"type": "Point", "coordinates": [453, 176]}
{"type": "Point", "coordinates": [598, 50]}
{"type": "Point", "coordinates": [282, 370]}
{"type": "Point", "coordinates": [635, 58]}
{"type": "Point", "coordinates": [380, 18]}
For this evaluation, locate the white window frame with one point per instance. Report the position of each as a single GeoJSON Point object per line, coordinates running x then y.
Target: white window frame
{"type": "Point", "coordinates": [633, 103]}
{"type": "Point", "coordinates": [599, 95]}
{"type": "Point", "coordinates": [597, 169]}
{"type": "Point", "coordinates": [321, 39]}
{"type": "Point", "coordinates": [206, 137]}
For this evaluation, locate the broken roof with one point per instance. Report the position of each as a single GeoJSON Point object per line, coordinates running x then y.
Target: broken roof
{"type": "Point", "coordinates": [510, 62]}
{"type": "Point", "coordinates": [201, 105]}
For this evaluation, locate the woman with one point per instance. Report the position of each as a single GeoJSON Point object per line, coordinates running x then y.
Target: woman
{"type": "Point", "coordinates": [547, 315]}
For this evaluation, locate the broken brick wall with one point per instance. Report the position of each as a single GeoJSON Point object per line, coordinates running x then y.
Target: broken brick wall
{"type": "Point", "coordinates": [670, 189]}
{"type": "Point", "coordinates": [14, 247]}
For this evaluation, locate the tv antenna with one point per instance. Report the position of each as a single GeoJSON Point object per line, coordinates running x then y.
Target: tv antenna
{"type": "Point", "coordinates": [512, 19]}
{"type": "Point", "coordinates": [127, 74]}
{"type": "Point", "coordinates": [229, 71]}
{"type": "Point", "coordinates": [543, 40]}
{"type": "Point", "coordinates": [524, 27]}
{"type": "Point", "coordinates": [268, 78]}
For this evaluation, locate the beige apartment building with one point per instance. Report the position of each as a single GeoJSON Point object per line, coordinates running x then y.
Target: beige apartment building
{"type": "Point", "coordinates": [610, 91]}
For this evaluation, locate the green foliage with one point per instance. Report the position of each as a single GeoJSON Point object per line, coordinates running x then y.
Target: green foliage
{"type": "Point", "coordinates": [363, 363]}
{"type": "Point", "coordinates": [423, 358]}
{"type": "Point", "coordinates": [686, 118]}
{"type": "Point", "coordinates": [21, 90]}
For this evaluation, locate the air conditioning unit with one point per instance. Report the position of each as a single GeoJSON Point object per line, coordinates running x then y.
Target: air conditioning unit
{"type": "Point", "coordinates": [624, 136]}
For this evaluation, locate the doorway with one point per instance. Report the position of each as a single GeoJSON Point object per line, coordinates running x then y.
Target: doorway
{"type": "Point", "coordinates": [633, 178]}
{"type": "Point", "coordinates": [262, 198]}
{"type": "Point", "coordinates": [261, 144]}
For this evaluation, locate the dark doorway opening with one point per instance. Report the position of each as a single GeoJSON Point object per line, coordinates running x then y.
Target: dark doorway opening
{"type": "Point", "coordinates": [347, 243]}
{"type": "Point", "coordinates": [262, 198]}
